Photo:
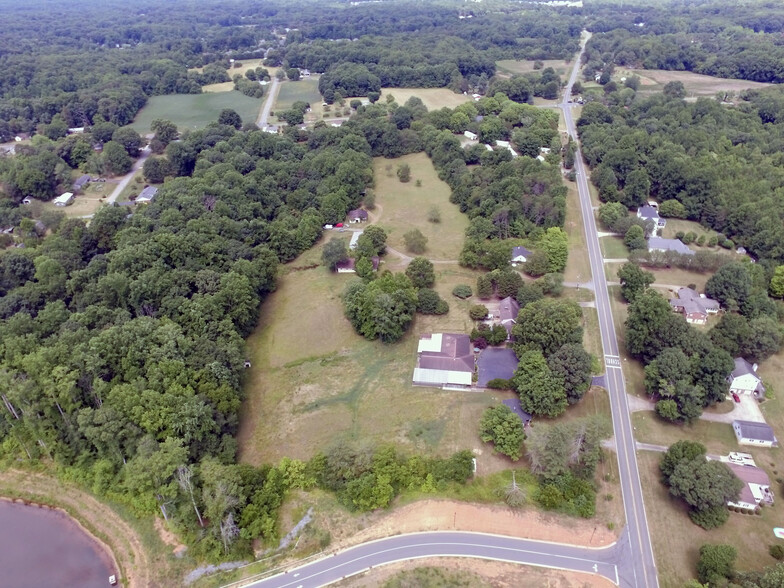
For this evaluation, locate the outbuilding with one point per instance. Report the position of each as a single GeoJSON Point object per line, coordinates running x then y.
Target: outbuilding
{"type": "Point", "coordinates": [751, 433]}
{"type": "Point", "coordinates": [64, 199]}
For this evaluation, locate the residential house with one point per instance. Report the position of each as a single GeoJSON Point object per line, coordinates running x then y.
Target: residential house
{"type": "Point", "coordinates": [75, 130]}
{"type": "Point", "coordinates": [508, 309]}
{"type": "Point", "coordinates": [744, 379]}
{"type": "Point", "coordinates": [81, 182]}
{"type": "Point", "coordinates": [519, 255]}
{"type": "Point", "coordinates": [470, 135]}
{"type": "Point", "coordinates": [675, 245]}
{"type": "Point", "coordinates": [495, 364]}
{"type": "Point", "coordinates": [508, 146]}
{"type": "Point", "coordinates": [694, 306]}
{"type": "Point", "coordinates": [348, 266]}
{"type": "Point", "coordinates": [756, 487]}
{"type": "Point", "coordinates": [147, 195]}
{"type": "Point", "coordinates": [445, 360]}
{"type": "Point", "coordinates": [354, 239]}
{"type": "Point", "coordinates": [271, 129]}
{"type": "Point", "coordinates": [64, 199]}
{"type": "Point", "coordinates": [357, 216]}
{"type": "Point", "coordinates": [650, 214]}
{"type": "Point", "coordinates": [751, 433]}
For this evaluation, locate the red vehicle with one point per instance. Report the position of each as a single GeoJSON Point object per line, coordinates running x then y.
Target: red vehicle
{"type": "Point", "coordinates": [735, 397]}
{"type": "Point", "coordinates": [339, 225]}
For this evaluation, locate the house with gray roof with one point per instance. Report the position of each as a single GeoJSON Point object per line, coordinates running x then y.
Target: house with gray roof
{"type": "Point", "coordinates": [444, 360]}
{"type": "Point", "coordinates": [650, 214]}
{"type": "Point", "coordinates": [357, 216]}
{"type": "Point", "coordinates": [81, 183]}
{"type": "Point", "coordinates": [675, 245]}
{"type": "Point", "coordinates": [508, 309]}
{"type": "Point", "coordinates": [147, 195]}
{"type": "Point", "coordinates": [744, 379]}
{"type": "Point", "coordinates": [519, 255]}
{"type": "Point", "coordinates": [757, 434]}
{"type": "Point", "coordinates": [694, 306]}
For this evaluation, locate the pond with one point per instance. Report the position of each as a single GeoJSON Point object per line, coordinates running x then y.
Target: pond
{"type": "Point", "coordinates": [44, 547]}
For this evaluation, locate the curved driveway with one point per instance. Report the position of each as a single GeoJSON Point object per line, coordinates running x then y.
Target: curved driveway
{"type": "Point", "coordinates": [448, 544]}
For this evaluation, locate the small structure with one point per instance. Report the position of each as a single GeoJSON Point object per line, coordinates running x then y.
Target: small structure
{"type": "Point", "coordinates": [508, 146]}
{"type": "Point", "coordinates": [744, 379]}
{"type": "Point", "coordinates": [649, 213]}
{"type": "Point", "coordinates": [445, 360]}
{"type": "Point", "coordinates": [305, 73]}
{"type": "Point", "coordinates": [354, 240]}
{"type": "Point", "coordinates": [357, 216]}
{"type": "Point", "coordinates": [495, 364]}
{"type": "Point", "coordinates": [694, 306]}
{"type": "Point", "coordinates": [756, 487]}
{"type": "Point", "coordinates": [147, 195]}
{"type": "Point", "coordinates": [470, 135]}
{"type": "Point", "coordinates": [65, 199]}
{"type": "Point", "coordinates": [519, 255]}
{"type": "Point", "coordinates": [81, 182]}
{"type": "Point", "coordinates": [336, 123]}
{"type": "Point", "coordinates": [541, 158]}
{"type": "Point", "coordinates": [508, 309]}
{"type": "Point", "coordinates": [22, 137]}
{"type": "Point", "coordinates": [741, 250]}
{"type": "Point", "coordinates": [348, 266]}
{"type": "Point", "coordinates": [675, 245]}
{"type": "Point", "coordinates": [271, 129]}
{"type": "Point", "coordinates": [514, 404]}
{"type": "Point", "coordinates": [27, 200]}
{"type": "Point", "coordinates": [544, 150]}
{"type": "Point", "coordinates": [75, 130]}
{"type": "Point", "coordinates": [751, 433]}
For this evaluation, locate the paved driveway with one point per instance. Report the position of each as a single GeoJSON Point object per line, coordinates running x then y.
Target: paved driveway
{"type": "Point", "coordinates": [747, 409]}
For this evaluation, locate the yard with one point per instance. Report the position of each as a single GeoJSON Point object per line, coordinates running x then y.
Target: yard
{"type": "Point", "coordinates": [305, 90]}
{"type": "Point", "coordinates": [402, 207]}
{"type": "Point", "coordinates": [676, 224]}
{"type": "Point", "coordinates": [676, 541]}
{"type": "Point", "coordinates": [433, 98]}
{"type": "Point", "coordinates": [86, 202]}
{"type": "Point", "coordinates": [613, 247]}
{"type": "Point", "coordinates": [512, 66]}
{"type": "Point", "coordinates": [195, 111]}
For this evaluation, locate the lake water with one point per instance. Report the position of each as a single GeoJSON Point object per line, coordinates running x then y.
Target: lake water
{"type": "Point", "coordinates": [43, 547]}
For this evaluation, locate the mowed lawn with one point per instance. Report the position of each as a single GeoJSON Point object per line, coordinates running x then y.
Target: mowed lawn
{"type": "Point", "coordinates": [676, 541]}
{"type": "Point", "coordinates": [432, 98]}
{"type": "Point", "coordinates": [403, 207]}
{"type": "Point", "coordinates": [195, 111]}
{"type": "Point", "coordinates": [513, 66]}
{"type": "Point", "coordinates": [305, 90]}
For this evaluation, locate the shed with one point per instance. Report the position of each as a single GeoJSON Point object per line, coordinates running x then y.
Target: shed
{"type": "Point", "coordinates": [147, 195]}
{"type": "Point", "coordinates": [519, 255]}
{"type": "Point", "coordinates": [64, 199]}
{"type": "Point", "coordinates": [751, 433]}
{"type": "Point", "coordinates": [357, 215]}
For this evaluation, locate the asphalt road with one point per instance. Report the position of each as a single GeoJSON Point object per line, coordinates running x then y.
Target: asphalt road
{"type": "Point", "coordinates": [128, 177]}
{"type": "Point", "coordinates": [447, 544]}
{"type": "Point", "coordinates": [265, 110]}
{"type": "Point", "coordinates": [638, 569]}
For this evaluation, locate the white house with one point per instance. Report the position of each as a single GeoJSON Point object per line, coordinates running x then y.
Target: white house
{"type": "Point", "coordinates": [519, 255]}
{"type": "Point", "coordinates": [147, 195]}
{"type": "Point", "coordinates": [744, 379]}
{"type": "Point", "coordinates": [649, 213]}
{"type": "Point", "coordinates": [64, 199]}
{"type": "Point", "coordinates": [470, 135]}
{"type": "Point", "coordinates": [757, 434]}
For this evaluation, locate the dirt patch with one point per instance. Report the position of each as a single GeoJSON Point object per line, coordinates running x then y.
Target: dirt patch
{"type": "Point", "coordinates": [98, 519]}
{"type": "Point", "coordinates": [495, 573]}
{"type": "Point", "coordinates": [447, 515]}
{"type": "Point", "coordinates": [169, 538]}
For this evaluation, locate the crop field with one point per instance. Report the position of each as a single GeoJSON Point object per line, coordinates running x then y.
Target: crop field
{"type": "Point", "coordinates": [654, 80]}
{"type": "Point", "coordinates": [195, 111]}
{"type": "Point", "coordinates": [402, 207]}
{"type": "Point", "coordinates": [305, 90]}
{"type": "Point", "coordinates": [433, 98]}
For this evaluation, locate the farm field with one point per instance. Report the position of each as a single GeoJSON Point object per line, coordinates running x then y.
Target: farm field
{"type": "Point", "coordinates": [654, 80]}
{"type": "Point", "coordinates": [433, 98]}
{"type": "Point", "coordinates": [195, 111]}
{"type": "Point", "coordinates": [676, 541]}
{"type": "Point", "coordinates": [402, 207]}
{"type": "Point", "coordinates": [221, 87]}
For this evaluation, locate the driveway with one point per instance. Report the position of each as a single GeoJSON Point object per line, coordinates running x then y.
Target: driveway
{"type": "Point", "coordinates": [747, 409]}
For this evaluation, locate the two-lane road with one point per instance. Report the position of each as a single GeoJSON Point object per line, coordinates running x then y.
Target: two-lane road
{"type": "Point", "coordinates": [642, 568]}
{"type": "Point", "coordinates": [447, 544]}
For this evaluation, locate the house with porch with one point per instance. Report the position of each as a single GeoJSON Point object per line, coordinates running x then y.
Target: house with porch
{"type": "Point", "coordinates": [756, 487]}
{"type": "Point", "coordinates": [744, 379]}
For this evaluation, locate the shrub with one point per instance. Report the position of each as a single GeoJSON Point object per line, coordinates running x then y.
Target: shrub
{"type": "Point", "coordinates": [701, 240]}
{"type": "Point", "coordinates": [499, 384]}
{"type": "Point", "coordinates": [728, 244]}
{"type": "Point", "coordinates": [477, 312]}
{"type": "Point", "coordinates": [434, 214]}
{"type": "Point", "coordinates": [462, 291]}
{"type": "Point", "coordinates": [680, 235]}
{"type": "Point", "coordinates": [404, 172]}
{"type": "Point", "coordinates": [713, 241]}
{"type": "Point", "coordinates": [776, 551]}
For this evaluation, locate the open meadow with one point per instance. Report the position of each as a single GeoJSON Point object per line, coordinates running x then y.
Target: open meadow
{"type": "Point", "coordinates": [432, 98]}
{"type": "Point", "coordinates": [305, 90]}
{"type": "Point", "coordinates": [402, 207]}
{"type": "Point", "coordinates": [653, 81]}
{"type": "Point", "coordinates": [195, 111]}
{"type": "Point", "coordinates": [513, 66]}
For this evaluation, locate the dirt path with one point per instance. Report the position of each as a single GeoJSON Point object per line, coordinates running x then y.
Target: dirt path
{"type": "Point", "coordinates": [448, 515]}
{"type": "Point", "coordinates": [103, 524]}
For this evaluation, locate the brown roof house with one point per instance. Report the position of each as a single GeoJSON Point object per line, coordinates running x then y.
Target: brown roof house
{"type": "Point", "coordinates": [694, 306]}
{"type": "Point", "coordinates": [756, 487]}
{"type": "Point", "coordinates": [444, 360]}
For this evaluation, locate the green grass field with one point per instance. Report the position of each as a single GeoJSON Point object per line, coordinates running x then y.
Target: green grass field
{"type": "Point", "coordinates": [512, 66]}
{"type": "Point", "coordinates": [696, 85]}
{"type": "Point", "coordinates": [195, 111]}
{"type": "Point", "coordinates": [613, 248]}
{"type": "Point", "coordinates": [404, 206]}
{"type": "Point", "coordinates": [433, 98]}
{"type": "Point", "coordinates": [305, 90]}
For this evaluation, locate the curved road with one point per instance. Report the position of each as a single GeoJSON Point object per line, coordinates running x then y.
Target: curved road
{"type": "Point", "coordinates": [448, 544]}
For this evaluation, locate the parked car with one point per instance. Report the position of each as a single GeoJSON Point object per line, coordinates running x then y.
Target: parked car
{"type": "Point", "coordinates": [735, 397]}
{"type": "Point", "coordinates": [339, 225]}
